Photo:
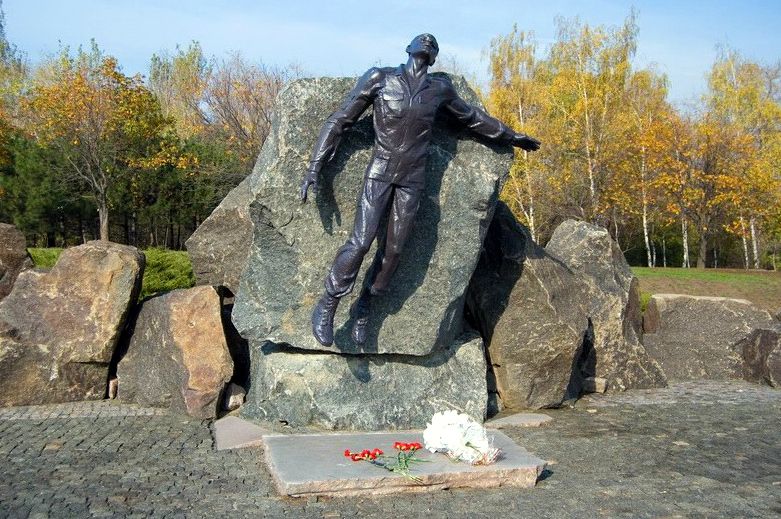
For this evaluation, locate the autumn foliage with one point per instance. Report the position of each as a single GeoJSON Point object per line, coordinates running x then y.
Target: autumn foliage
{"type": "Point", "coordinates": [87, 151]}
{"type": "Point", "coordinates": [104, 126]}
{"type": "Point", "coordinates": [617, 153]}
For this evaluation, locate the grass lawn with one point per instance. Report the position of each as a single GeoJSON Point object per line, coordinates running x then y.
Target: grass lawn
{"type": "Point", "coordinates": [165, 269]}
{"type": "Point", "coordinates": [761, 287]}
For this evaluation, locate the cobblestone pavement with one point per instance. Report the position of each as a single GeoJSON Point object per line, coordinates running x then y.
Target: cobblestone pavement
{"type": "Point", "coordinates": [691, 450]}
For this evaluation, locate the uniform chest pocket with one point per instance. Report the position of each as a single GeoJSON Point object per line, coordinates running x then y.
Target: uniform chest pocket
{"type": "Point", "coordinates": [428, 99]}
{"type": "Point", "coordinates": [393, 103]}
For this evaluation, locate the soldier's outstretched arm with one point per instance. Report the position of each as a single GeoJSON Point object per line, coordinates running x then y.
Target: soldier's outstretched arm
{"type": "Point", "coordinates": [357, 101]}
{"type": "Point", "coordinates": [483, 124]}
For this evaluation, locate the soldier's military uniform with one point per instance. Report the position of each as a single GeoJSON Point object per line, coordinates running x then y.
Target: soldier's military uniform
{"type": "Point", "coordinates": [403, 122]}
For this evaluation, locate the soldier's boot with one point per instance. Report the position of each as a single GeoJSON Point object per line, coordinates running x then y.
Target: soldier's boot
{"type": "Point", "coordinates": [323, 319]}
{"type": "Point", "coordinates": [360, 311]}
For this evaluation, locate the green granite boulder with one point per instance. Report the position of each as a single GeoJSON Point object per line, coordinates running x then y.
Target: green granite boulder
{"type": "Point", "coordinates": [294, 244]}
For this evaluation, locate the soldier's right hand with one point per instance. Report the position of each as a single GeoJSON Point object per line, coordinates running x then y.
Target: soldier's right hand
{"type": "Point", "coordinates": [310, 179]}
{"type": "Point", "coordinates": [525, 142]}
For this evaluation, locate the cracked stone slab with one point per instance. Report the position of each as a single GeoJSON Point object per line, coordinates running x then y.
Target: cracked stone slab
{"type": "Point", "coordinates": [232, 432]}
{"type": "Point", "coordinates": [519, 420]}
{"type": "Point", "coordinates": [314, 464]}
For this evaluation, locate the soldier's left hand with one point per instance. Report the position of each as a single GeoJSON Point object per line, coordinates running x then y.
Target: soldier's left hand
{"type": "Point", "coordinates": [525, 142]}
{"type": "Point", "coordinates": [309, 181]}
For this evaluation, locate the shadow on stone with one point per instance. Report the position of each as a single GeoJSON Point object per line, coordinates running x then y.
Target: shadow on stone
{"type": "Point", "coordinates": [237, 345]}
{"type": "Point", "coordinates": [357, 139]}
{"type": "Point", "coordinates": [545, 474]}
{"type": "Point", "coordinates": [583, 366]}
{"type": "Point", "coordinates": [124, 341]}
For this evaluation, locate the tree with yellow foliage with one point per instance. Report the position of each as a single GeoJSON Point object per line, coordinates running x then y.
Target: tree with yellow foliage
{"type": "Point", "coordinates": [220, 100]}
{"type": "Point", "coordinates": [590, 68]}
{"type": "Point", "coordinates": [634, 188]}
{"type": "Point", "coordinates": [179, 81]}
{"type": "Point", "coordinates": [573, 99]}
{"type": "Point", "coordinates": [13, 72]}
{"type": "Point", "coordinates": [517, 97]}
{"type": "Point", "coordinates": [104, 125]}
{"type": "Point", "coordinates": [744, 95]}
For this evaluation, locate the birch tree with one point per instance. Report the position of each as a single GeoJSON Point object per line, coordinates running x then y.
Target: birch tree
{"type": "Point", "coordinates": [516, 97]}
{"type": "Point", "coordinates": [743, 94]}
{"type": "Point", "coordinates": [647, 140]}
{"type": "Point", "coordinates": [591, 67]}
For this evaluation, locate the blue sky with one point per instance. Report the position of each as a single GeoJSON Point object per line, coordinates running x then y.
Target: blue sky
{"type": "Point", "coordinates": [340, 37]}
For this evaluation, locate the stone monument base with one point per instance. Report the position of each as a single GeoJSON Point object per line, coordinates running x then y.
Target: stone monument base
{"type": "Point", "coordinates": [315, 465]}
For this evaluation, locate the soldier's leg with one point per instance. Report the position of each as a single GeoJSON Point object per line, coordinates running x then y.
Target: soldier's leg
{"type": "Point", "coordinates": [371, 207]}
{"type": "Point", "coordinates": [341, 278]}
{"type": "Point", "coordinates": [405, 205]}
{"type": "Point", "coordinates": [406, 201]}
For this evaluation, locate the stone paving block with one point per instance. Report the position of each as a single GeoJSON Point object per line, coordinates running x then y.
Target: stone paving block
{"type": "Point", "coordinates": [86, 409]}
{"type": "Point", "coordinates": [314, 464]}
{"type": "Point", "coordinates": [519, 420]}
{"type": "Point", "coordinates": [232, 432]}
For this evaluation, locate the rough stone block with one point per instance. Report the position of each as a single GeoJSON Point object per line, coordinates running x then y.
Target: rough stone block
{"type": "Point", "coordinates": [594, 385]}
{"type": "Point", "coordinates": [177, 357]}
{"type": "Point", "coordinates": [694, 336]}
{"type": "Point", "coordinates": [219, 246]}
{"type": "Point", "coordinates": [761, 354]}
{"type": "Point", "coordinates": [13, 257]}
{"type": "Point", "coordinates": [612, 304]}
{"type": "Point", "coordinates": [528, 307]}
{"type": "Point", "coordinates": [234, 397]}
{"type": "Point", "coordinates": [368, 392]}
{"type": "Point", "coordinates": [519, 420]}
{"type": "Point", "coordinates": [59, 329]}
{"type": "Point", "coordinates": [231, 432]}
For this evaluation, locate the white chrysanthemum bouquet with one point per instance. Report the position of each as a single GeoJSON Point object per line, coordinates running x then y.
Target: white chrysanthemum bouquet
{"type": "Point", "coordinates": [460, 437]}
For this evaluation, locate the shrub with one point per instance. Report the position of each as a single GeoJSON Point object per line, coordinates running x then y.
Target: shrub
{"type": "Point", "coordinates": [44, 258]}
{"type": "Point", "coordinates": [166, 270]}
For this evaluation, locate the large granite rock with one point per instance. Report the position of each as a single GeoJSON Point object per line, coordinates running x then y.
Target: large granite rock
{"type": "Point", "coordinates": [693, 337]}
{"type": "Point", "coordinates": [13, 257]}
{"type": "Point", "coordinates": [219, 247]}
{"type": "Point", "coordinates": [177, 357]}
{"type": "Point", "coordinates": [528, 306]}
{"type": "Point", "coordinates": [367, 392]}
{"type": "Point", "coordinates": [761, 355]}
{"type": "Point", "coordinates": [294, 244]}
{"type": "Point", "coordinates": [613, 305]}
{"type": "Point", "coordinates": [59, 330]}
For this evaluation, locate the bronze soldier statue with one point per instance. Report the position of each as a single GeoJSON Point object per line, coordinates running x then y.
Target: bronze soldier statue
{"type": "Point", "coordinates": [406, 100]}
